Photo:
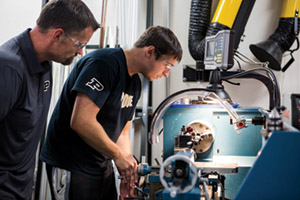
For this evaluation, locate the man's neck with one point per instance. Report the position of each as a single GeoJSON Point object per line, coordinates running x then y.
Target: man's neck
{"type": "Point", "coordinates": [39, 43]}
{"type": "Point", "coordinates": [134, 57]}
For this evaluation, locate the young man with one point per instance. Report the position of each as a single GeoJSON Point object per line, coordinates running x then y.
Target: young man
{"type": "Point", "coordinates": [91, 120]}
{"type": "Point", "coordinates": [63, 28]}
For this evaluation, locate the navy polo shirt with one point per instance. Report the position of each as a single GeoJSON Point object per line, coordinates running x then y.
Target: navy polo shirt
{"type": "Point", "coordinates": [25, 92]}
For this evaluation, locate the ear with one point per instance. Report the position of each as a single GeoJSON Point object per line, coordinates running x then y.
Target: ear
{"type": "Point", "coordinates": [150, 50]}
{"type": "Point", "coordinates": [58, 34]}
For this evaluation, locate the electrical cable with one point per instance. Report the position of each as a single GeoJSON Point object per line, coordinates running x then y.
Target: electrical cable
{"type": "Point", "coordinates": [264, 64]}
{"type": "Point", "coordinates": [238, 62]}
{"type": "Point", "coordinates": [269, 73]}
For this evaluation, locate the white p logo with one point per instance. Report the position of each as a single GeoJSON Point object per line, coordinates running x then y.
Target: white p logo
{"type": "Point", "coordinates": [95, 84]}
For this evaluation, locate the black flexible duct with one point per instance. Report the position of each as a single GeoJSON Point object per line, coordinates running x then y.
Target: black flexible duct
{"type": "Point", "coordinates": [284, 34]}
{"type": "Point", "coordinates": [199, 22]}
{"type": "Point", "coordinates": [200, 27]}
{"type": "Point", "coordinates": [280, 41]}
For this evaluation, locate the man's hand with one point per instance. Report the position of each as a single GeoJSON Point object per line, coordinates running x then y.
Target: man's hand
{"type": "Point", "coordinates": [127, 167]}
{"type": "Point", "coordinates": [126, 190]}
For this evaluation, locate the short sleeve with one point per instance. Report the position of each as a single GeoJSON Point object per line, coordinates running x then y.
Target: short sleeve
{"type": "Point", "coordinates": [96, 80]}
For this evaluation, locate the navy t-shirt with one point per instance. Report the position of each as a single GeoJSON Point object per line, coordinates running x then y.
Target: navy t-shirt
{"type": "Point", "coordinates": [102, 75]}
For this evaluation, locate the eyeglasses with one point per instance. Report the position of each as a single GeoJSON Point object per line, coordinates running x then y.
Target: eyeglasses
{"type": "Point", "coordinates": [167, 64]}
{"type": "Point", "coordinates": [76, 43]}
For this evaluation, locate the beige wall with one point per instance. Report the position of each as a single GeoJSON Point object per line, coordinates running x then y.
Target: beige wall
{"type": "Point", "coordinates": [16, 16]}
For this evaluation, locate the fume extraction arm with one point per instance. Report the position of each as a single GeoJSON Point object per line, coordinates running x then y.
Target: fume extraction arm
{"type": "Point", "coordinates": [234, 15]}
{"type": "Point", "coordinates": [228, 15]}
{"type": "Point", "coordinates": [282, 39]}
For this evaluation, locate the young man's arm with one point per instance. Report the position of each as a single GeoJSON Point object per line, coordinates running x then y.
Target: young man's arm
{"type": "Point", "coordinates": [84, 122]}
{"type": "Point", "coordinates": [123, 142]}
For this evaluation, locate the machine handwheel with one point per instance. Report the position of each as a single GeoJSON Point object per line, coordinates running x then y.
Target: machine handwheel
{"type": "Point", "coordinates": [174, 189]}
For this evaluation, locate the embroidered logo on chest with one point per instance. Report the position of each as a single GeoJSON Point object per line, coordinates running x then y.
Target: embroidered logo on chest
{"type": "Point", "coordinates": [46, 85]}
{"type": "Point", "coordinates": [95, 84]}
{"type": "Point", "coordinates": [126, 100]}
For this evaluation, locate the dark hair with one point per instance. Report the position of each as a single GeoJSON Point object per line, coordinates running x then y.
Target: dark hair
{"type": "Point", "coordinates": [71, 15]}
{"type": "Point", "coordinates": [164, 41]}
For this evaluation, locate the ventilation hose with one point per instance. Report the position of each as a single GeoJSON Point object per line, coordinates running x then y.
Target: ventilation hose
{"type": "Point", "coordinates": [200, 25]}
{"type": "Point", "coordinates": [282, 39]}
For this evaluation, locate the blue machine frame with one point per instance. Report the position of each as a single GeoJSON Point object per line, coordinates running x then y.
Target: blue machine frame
{"type": "Point", "coordinates": [275, 174]}
{"type": "Point", "coordinates": [241, 148]}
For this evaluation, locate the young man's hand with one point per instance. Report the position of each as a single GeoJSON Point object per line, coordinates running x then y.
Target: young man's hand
{"type": "Point", "coordinates": [127, 168]}
{"type": "Point", "coordinates": [126, 190]}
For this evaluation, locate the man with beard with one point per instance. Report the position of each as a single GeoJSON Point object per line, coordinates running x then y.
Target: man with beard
{"type": "Point", "coordinates": [62, 30]}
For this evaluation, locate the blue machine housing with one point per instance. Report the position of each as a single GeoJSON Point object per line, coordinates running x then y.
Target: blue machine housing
{"type": "Point", "coordinates": [275, 173]}
{"type": "Point", "coordinates": [194, 193]}
{"type": "Point", "coordinates": [228, 145]}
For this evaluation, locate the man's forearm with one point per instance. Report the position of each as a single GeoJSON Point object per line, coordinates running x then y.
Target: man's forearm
{"type": "Point", "coordinates": [89, 129]}
{"type": "Point", "coordinates": [124, 140]}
